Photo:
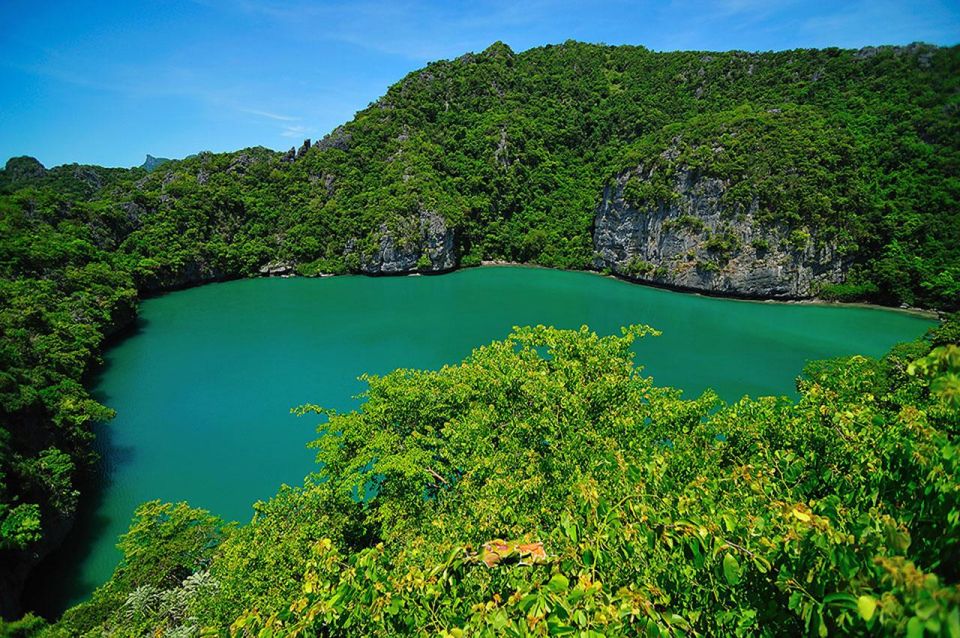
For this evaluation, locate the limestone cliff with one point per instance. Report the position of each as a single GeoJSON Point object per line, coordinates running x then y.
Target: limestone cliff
{"type": "Point", "coordinates": [423, 243]}
{"type": "Point", "coordinates": [689, 238]}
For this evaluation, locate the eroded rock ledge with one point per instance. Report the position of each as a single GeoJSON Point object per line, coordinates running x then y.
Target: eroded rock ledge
{"type": "Point", "coordinates": [423, 243]}
{"type": "Point", "coordinates": [691, 240]}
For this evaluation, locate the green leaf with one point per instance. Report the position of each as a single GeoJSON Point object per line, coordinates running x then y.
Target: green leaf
{"type": "Point", "coordinates": [762, 564]}
{"type": "Point", "coordinates": [587, 557]}
{"type": "Point", "coordinates": [556, 629]}
{"type": "Point", "coordinates": [569, 527]}
{"type": "Point", "coordinates": [841, 599]}
{"type": "Point", "coordinates": [527, 602]}
{"type": "Point", "coordinates": [915, 628]}
{"type": "Point", "coordinates": [953, 623]}
{"type": "Point", "coordinates": [729, 522]}
{"type": "Point", "coordinates": [866, 605]}
{"type": "Point", "coordinates": [558, 583]}
{"type": "Point", "coordinates": [731, 569]}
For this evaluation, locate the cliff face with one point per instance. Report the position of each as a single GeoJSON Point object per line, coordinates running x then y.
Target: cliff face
{"type": "Point", "coordinates": [189, 274]}
{"type": "Point", "coordinates": [423, 243]}
{"type": "Point", "coordinates": [691, 240]}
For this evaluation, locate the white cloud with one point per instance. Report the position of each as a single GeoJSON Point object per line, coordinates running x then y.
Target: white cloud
{"type": "Point", "coordinates": [269, 115]}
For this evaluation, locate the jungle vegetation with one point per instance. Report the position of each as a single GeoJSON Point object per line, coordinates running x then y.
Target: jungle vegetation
{"type": "Point", "coordinates": [545, 486]}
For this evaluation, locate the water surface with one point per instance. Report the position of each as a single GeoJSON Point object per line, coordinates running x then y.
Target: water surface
{"type": "Point", "coordinates": [204, 386]}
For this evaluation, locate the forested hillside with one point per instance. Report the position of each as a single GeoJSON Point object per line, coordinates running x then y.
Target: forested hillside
{"type": "Point", "coordinates": [494, 155]}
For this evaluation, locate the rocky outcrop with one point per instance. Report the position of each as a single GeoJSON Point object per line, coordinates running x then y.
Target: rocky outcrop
{"type": "Point", "coordinates": [303, 148]}
{"type": "Point", "coordinates": [691, 239]}
{"type": "Point", "coordinates": [296, 153]}
{"type": "Point", "coordinates": [423, 243]}
{"type": "Point", "coordinates": [337, 138]}
{"type": "Point", "coordinates": [152, 162]}
{"type": "Point", "coordinates": [240, 163]}
{"type": "Point", "coordinates": [89, 175]}
{"type": "Point", "coordinates": [278, 269]}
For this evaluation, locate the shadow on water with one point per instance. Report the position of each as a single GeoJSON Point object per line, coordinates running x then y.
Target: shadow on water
{"type": "Point", "coordinates": [55, 584]}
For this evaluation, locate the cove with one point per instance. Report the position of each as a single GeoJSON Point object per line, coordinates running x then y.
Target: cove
{"type": "Point", "coordinates": [204, 385]}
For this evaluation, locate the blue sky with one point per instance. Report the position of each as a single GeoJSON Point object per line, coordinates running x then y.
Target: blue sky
{"type": "Point", "coordinates": [107, 82]}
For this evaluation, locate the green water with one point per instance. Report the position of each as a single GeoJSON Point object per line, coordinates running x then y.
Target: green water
{"type": "Point", "coordinates": [203, 388]}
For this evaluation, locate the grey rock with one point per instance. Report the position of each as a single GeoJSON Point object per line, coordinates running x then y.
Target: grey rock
{"type": "Point", "coordinates": [500, 155]}
{"type": "Point", "coordinates": [240, 164]}
{"type": "Point", "coordinates": [422, 243]}
{"type": "Point", "coordinates": [277, 268]}
{"type": "Point", "coordinates": [668, 243]}
{"type": "Point", "coordinates": [133, 212]}
{"type": "Point", "coordinates": [89, 175]}
{"type": "Point", "coordinates": [337, 138]}
{"type": "Point", "coordinates": [192, 273]}
{"type": "Point", "coordinates": [303, 148]}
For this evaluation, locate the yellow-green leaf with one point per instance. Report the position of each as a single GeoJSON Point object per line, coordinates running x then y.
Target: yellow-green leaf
{"type": "Point", "coordinates": [558, 583]}
{"type": "Point", "coordinates": [866, 605]}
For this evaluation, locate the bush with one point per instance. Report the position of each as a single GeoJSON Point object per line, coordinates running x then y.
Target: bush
{"type": "Point", "coordinates": [544, 485]}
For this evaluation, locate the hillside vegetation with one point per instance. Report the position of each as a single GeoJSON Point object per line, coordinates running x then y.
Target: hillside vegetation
{"type": "Point", "coordinates": [544, 486]}
{"type": "Point", "coordinates": [493, 155]}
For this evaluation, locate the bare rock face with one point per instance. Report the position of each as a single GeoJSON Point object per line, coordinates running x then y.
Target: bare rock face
{"type": "Point", "coordinates": [422, 243]}
{"type": "Point", "coordinates": [337, 138]}
{"type": "Point", "coordinates": [278, 269]}
{"type": "Point", "coordinates": [690, 240]}
{"type": "Point", "coordinates": [303, 148]}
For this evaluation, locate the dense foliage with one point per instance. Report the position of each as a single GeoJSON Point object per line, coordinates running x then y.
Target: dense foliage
{"type": "Point", "coordinates": [512, 151]}
{"type": "Point", "coordinates": [544, 486]}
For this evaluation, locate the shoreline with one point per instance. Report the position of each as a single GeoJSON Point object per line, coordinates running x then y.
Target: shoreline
{"type": "Point", "coordinates": [926, 313]}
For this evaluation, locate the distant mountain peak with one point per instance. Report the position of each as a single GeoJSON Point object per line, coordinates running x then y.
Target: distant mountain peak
{"type": "Point", "coordinates": [499, 49]}
{"type": "Point", "coordinates": [153, 162]}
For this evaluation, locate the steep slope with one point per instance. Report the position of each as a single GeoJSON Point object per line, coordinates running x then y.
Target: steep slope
{"type": "Point", "coordinates": [761, 203]}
